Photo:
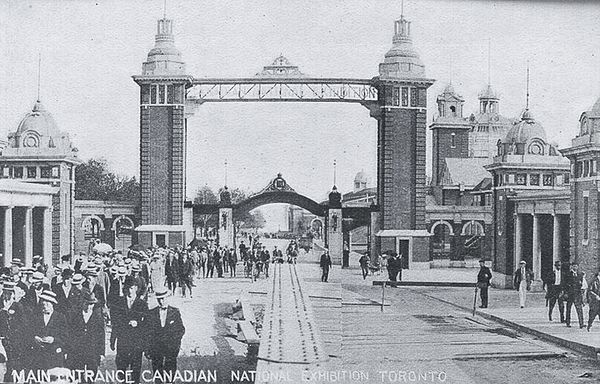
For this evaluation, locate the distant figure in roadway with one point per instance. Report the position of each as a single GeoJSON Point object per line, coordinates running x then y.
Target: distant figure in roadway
{"type": "Point", "coordinates": [325, 264]}
{"type": "Point", "coordinates": [483, 282]}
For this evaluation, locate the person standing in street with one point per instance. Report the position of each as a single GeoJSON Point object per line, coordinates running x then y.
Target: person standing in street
{"type": "Point", "coordinates": [166, 329]}
{"type": "Point", "coordinates": [185, 274]}
{"type": "Point", "coordinates": [483, 282]}
{"type": "Point", "coordinates": [576, 285]}
{"type": "Point", "coordinates": [554, 283]}
{"type": "Point", "coordinates": [594, 300]}
{"type": "Point", "coordinates": [522, 282]}
{"type": "Point", "coordinates": [392, 266]}
{"type": "Point", "coordinates": [364, 265]}
{"type": "Point", "coordinates": [171, 272]}
{"type": "Point", "coordinates": [325, 264]}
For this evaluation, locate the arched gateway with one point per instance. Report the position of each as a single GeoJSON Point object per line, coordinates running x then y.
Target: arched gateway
{"type": "Point", "coordinates": [397, 99]}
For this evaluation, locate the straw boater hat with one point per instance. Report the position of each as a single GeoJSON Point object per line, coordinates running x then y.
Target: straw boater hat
{"type": "Point", "coordinates": [28, 271]}
{"type": "Point", "coordinates": [91, 271]}
{"type": "Point", "coordinates": [136, 268]}
{"type": "Point", "coordinates": [114, 269]}
{"type": "Point", "coordinates": [37, 277]}
{"type": "Point", "coordinates": [17, 262]}
{"type": "Point", "coordinates": [161, 294]}
{"type": "Point", "coordinates": [9, 286]}
{"type": "Point", "coordinates": [48, 296]}
{"type": "Point", "coordinates": [122, 271]}
{"type": "Point", "coordinates": [78, 279]}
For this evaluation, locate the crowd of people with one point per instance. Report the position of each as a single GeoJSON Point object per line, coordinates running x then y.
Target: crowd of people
{"type": "Point", "coordinates": [62, 315]}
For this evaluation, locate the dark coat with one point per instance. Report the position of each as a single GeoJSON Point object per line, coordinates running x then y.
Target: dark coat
{"type": "Point", "coordinates": [86, 340]}
{"type": "Point", "coordinates": [484, 276]}
{"type": "Point", "coordinates": [518, 278]}
{"type": "Point", "coordinates": [46, 356]}
{"type": "Point", "coordinates": [117, 291]}
{"type": "Point", "coordinates": [98, 292]}
{"type": "Point", "coordinates": [31, 301]}
{"type": "Point", "coordinates": [573, 286]}
{"type": "Point", "coordinates": [185, 270]}
{"type": "Point", "coordinates": [172, 269]}
{"type": "Point", "coordinates": [13, 327]}
{"type": "Point", "coordinates": [325, 261]}
{"type": "Point", "coordinates": [67, 304]}
{"type": "Point", "coordinates": [164, 341]}
{"type": "Point", "coordinates": [124, 332]}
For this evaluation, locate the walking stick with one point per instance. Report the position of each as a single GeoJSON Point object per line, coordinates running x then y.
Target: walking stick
{"type": "Point", "coordinates": [382, 295]}
{"type": "Point", "coordinates": [475, 301]}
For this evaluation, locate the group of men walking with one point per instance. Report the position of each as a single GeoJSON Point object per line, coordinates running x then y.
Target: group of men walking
{"type": "Point", "coordinates": [60, 316]}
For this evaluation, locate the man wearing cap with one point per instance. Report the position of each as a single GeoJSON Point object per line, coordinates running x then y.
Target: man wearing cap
{"type": "Point", "coordinates": [49, 334]}
{"type": "Point", "coordinates": [12, 330]}
{"type": "Point", "coordinates": [86, 335]}
{"type": "Point", "coordinates": [554, 282]}
{"type": "Point", "coordinates": [128, 314]}
{"type": "Point", "coordinates": [165, 329]}
{"type": "Point", "coordinates": [67, 296]}
{"type": "Point", "coordinates": [522, 281]}
{"type": "Point", "coordinates": [483, 282]}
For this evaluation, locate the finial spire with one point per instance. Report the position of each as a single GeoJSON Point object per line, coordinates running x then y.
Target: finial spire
{"type": "Point", "coordinates": [39, 75]}
{"type": "Point", "coordinates": [527, 104]}
{"type": "Point", "coordinates": [226, 172]}
{"type": "Point", "coordinates": [489, 61]}
{"type": "Point", "coordinates": [165, 9]}
{"type": "Point", "coordinates": [402, 8]}
{"type": "Point", "coordinates": [334, 172]}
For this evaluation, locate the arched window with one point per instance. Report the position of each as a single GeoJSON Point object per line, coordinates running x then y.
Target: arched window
{"type": "Point", "coordinates": [473, 228]}
{"type": "Point", "coordinates": [92, 227]}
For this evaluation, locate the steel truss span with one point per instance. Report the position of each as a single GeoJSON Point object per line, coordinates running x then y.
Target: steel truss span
{"type": "Point", "coordinates": [274, 89]}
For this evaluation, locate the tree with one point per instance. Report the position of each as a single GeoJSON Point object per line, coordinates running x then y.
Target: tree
{"type": "Point", "coordinates": [94, 181]}
{"type": "Point", "coordinates": [254, 220]}
{"type": "Point", "coordinates": [205, 195]}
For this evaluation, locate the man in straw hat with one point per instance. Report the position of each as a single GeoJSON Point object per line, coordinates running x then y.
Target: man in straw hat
{"type": "Point", "coordinates": [67, 295]}
{"type": "Point", "coordinates": [522, 281]}
{"type": "Point", "coordinates": [128, 314]}
{"type": "Point", "coordinates": [49, 335]}
{"type": "Point", "coordinates": [165, 330]}
{"type": "Point", "coordinates": [86, 335]}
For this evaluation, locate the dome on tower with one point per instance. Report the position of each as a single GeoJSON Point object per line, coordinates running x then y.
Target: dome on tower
{"type": "Point", "coordinates": [488, 93]}
{"type": "Point", "coordinates": [525, 130]}
{"type": "Point", "coordinates": [164, 58]}
{"type": "Point", "coordinates": [361, 177]}
{"type": "Point", "coordinates": [39, 120]}
{"type": "Point", "coordinates": [402, 60]}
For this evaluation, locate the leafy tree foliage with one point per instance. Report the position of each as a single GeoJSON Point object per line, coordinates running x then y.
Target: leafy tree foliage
{"type": "Point", "coordinates": [94, 181]}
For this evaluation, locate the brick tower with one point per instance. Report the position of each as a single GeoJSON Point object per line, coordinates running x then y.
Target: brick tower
{"type": "Point", "coordinates": [401, 133]}
{"type": "Point", "coordinates": [162, 141]}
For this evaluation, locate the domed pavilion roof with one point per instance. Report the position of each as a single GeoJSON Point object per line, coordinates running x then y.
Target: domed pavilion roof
{"type": "Point", "coordinates": [361, 177]}
{"type": "Point", "coordinates": [38, 120]}
{"type": "Point", "coordinates": [525, 130]}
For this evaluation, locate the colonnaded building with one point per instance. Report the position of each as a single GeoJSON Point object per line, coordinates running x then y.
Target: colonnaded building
{"type": "Point", "coordinates": [499, 189]}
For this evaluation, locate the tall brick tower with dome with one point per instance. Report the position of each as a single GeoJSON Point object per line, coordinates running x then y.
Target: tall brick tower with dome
{"type": "Point", "coordinates": [401, 115]}
{"type": "Point", "coordinates": [163, 131]}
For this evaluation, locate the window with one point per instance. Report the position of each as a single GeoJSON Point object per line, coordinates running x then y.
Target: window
{"type": "Point", "coordinates": [548, 180]}
{"type": "Point", "coordinates": [169, 94]}
{"type": "Point", "coordinates": [579, 169]}
{"type": "Point", "coordinates": [566, 178]}
{"type": "Point", "coordinates": [32, 172]}
{"type": "Point", "coordinates": [55, 172]}
{"type": "Point", "coordinates": [404, 96]}
{"type": "Point", "coordinates": [46, 172]}
{"type": "Point", "coordinates": [396, 97]}
{"type": "Point", "coordinates": [145, 94]}
{"type": "Point", "coordinates": [153, 91]}
{"type": "Point", "coordinates": [453, 140]}
{"type": "Point", "coordinates": [414, 97]}
{"type": "Point", "coordinates": [178, 94]}
{"type": "Point", "coordinates": [161, 94]}
{"type": "Point", "coordinates": [534, 179]}
{"type": "Point", "coordinates": [18, 172]}
{"type": "Point", "coordinates": [521, 179]}
{"type": "Point", "coordinates": [5, 172]}
{"type": "Point", "coordinates": [586, 203]}
{"type": "Point", "coordinates": [453, 110]}
{"type": "Point", "coordinates": [586, 168]}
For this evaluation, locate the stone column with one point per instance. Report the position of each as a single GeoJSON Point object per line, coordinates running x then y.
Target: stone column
{"type": "Point", "coordinates": [226, 230]}
{"type": "Point", "coordinates": [517, 247]}
{"type": "Point", "coordinates": [373, 238]}
{"type": "Point", "coordinates": [537, 262]}
{"type": "Point", "coordinates": [335, 237]}
{"type": "Point", "coordinates": [556, 239]}
{"type": "Point", "coordinates": [47, 235]}
{"type": "Point", "coordinates": [28, 236]}
{"type": "Point", "coordinates": [8, 235]}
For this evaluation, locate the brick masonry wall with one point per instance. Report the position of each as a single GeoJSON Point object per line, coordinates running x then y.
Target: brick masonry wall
{"type": "Point", "coordinates": [442, 148]}
{"type": "Point", "coordinates": [586, 254]}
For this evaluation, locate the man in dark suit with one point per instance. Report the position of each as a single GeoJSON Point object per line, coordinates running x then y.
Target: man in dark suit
{"type": "Point", "coordinates": [594, 300]}
{"type": "Point", "coordinates": [392, 266]}
{"type": "Point", "coordinates": [554, 282]}
{"type": "Point", "coordinates": [49, 335]}
{"type": "Point", "coordinates": [483, 282]}
{"type": "Point", "coordinates": [325, 264]}
{"type": "Point", "coordinates": [32, 297]}
{"type": "Point", "coordinates": [86, 335]}
{"type": "Point", "coordinates": [67, 295]}
{"type": "Point", "coordinates": [171, 272]}
{"type": "Point", "coordinates": [12, 330]}
{"type": "Point", "coordinates": [165, 329]}
{"type": "Point", "coordinates": [128, 314]}
{"type": "Point", "coordinates": [575, 287]}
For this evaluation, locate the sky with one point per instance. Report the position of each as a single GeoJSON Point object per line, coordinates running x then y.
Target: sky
{"type": "Point", "coordinates": [90, 50]}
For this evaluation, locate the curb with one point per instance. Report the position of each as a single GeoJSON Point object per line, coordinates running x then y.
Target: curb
{"type": "Point", "coordinates": [584, 349]}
